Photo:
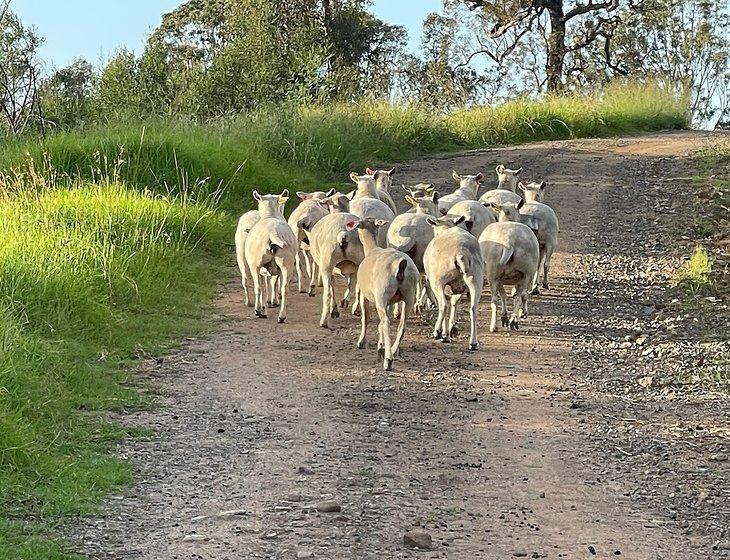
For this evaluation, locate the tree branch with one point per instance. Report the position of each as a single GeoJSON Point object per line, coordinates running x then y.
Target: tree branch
{"type": "Point", "coordinates": [609, 5]}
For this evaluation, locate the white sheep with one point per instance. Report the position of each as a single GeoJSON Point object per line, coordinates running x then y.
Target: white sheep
{"type": "Point", "coordinates": [411, 233]}
{"type": "Point", "coordinates": [476, 215]}
{"type": "Point", "coordinates": [271, 245]}
{"type": "Point", "coordinates": [419, 191]}
{"type": "Point", "coordinates": [511, 254]}
{"type": "Point", "coordinates": [544, 223]}
{"type": "Point", "coordinates": [337, 202]}
{"type": "Point", "coordinates": [383, 180]}
{"type": "Point", "coordinates": [468, 189]}
{"type": "Point", "coordinates": [366, 207]}
{"type": "Point", "coordinates": [385, 277]}
{"type": "Point", "coordinates": [245, 223]}
{"type": "Point", "coordinates": [308, 213]}
{"type": "Point", "coordinates": [333, 246]}
{"type": "Point", "coordinates": [507, 177]}
{"type": "Point", "coordinates": [453, 260]}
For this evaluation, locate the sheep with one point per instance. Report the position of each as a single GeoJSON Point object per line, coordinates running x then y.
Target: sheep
{"type": "Point", "coordinates": [468, 188]}
{"type": "Point", "coordinates": [499, 197]}
{"type": "Point", "coordinates": [337, 202]}
{"type": "Point", "coordinates": [507, 177]}
{"type": "Point", "coordinates": [333, 246]}
{"type": "Point", "coordinates": [419, 191]}
{"type": "Point", "coordinates": [366, 187]}
{"type": "Point", "coordinates": [476, 216]}
{"type": "Point", "coordinates": [272, 245]}
{"type": "Point", "coordinates": [308, 213]}
{"type": "Point", "coordinates": [385, 277]}
{"type": "Point", "coordinates": [366, 207]}
{"type": "Point", "coordinates": [383, 181]}
{"type": "Point", "coordinates": [411, 233]}
{"type": "Point", "coordinates": [510, 252]}
{"type": "Point", "coordinates": [453, 259]}
{"type": "Point", "coordinates": [534, 192]}
{"type": "Point", "coordinates": [245, 223]}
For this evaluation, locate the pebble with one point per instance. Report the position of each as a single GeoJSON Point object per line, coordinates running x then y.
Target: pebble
{"type": "Point", "coordinates": [329, 507]}
{"type": "Point", "coordinates": [419, 539]}
{"type": "Point", "coordinates": [304, 554]}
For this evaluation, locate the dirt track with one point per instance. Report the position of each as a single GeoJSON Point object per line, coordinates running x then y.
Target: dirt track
{"type": "Point", "coordinates": [506, 452]}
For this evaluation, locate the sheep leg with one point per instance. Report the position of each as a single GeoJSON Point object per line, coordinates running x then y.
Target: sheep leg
{"type": "Point", "coordinates": [495, 288]}
{"type": "Point", "coordinates": [307, 263]}
{"type": "Point", "coordinates": [401, 326]}
{"type": "Point", "coordinates": [326, 296]}
{"type": "Point", "coordinates": [385, 330]}
{"type": "Point", "coordinates": [503, 299]}
{"type": "Point", "coordinates": [546, 266]}
{"type": "Point", "coordinates": [243, 267]}
{"type": "Point", "coordinates": [355, 310]}
{"type": "Point", "coordinates": [534, 289]}
{"type": "Point", "coordinates": [313, 279]}
{"type": "Point", "coordinates": [334, 312]}
{"type": "Point", "coordinates": [284, 285]}
{"type": "Point", "coordinates": [438, 331]}
{"type": "Point", "coordinates": [475, 293]}
{"type": "Point", "coordinates": [273, 293]}
{"type": "Point", "coordinates": [520, 289]}
{"type": "Point", "coordinates": [346, 296]}
{"type": "Point", "coordinates": [298, 263]}
{"type": "Point", "coordinates": [259, 309]}
{"type": "Point", "coordinates": [364, 318]}
{"type": "Point", "coordinates": [453, 330]}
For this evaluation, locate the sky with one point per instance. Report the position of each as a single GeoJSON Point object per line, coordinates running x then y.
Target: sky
{"type": "Point", "coordinates": [94, 29]}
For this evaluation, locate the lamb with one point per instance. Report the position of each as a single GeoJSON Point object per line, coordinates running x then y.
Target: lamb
{"type": "Point", "coordinates": [476, 216]}
{"type": "Point", "coordinates": [334, 246]}
{"type": "Point", "coordinates": [454, 260]}
{"type": "Point", "coordinates": [337, 202]}
{"type": "Point", "coordinates": [385, 277]}
{"type": "Point", "coordinates": [272, 245]}
{"type": "Point", "coordinates": [534, 192]}
{"type": "Point", "coordinates": [366, 207]}
{"type": "Point", "coordinates": [511, 256]}
{"type": "Point", "coordinates": [544, 223]}
{"type": "Point", "coordinates": [411, 233]}
{"type": "Point", "coordinates": [308, 213]}
{"type": "Point", "coordinates": [419, 191]}
{"type": "Point", "coordinates": [383, 181]}
{"type": "Point", "coordinates": [507, 177]}
{"type": "Point", "coordinates": [468, 188]}
{"type": "Point", "coordinates": [245, 223]}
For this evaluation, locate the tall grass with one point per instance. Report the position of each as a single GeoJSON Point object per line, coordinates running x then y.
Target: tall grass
{"type": "Point", "coordinates": [111, 239]}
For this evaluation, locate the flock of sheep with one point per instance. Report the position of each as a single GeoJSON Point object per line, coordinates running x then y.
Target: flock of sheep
{"type": "Point", "coordinates": [438, 251]}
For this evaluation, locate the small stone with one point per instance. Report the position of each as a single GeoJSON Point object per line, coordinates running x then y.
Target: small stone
{"type": "Point", "coordinates": [328, 507]}
{"type": "Point", "coordinates": [194, 538]}
{"type": "Point", "coordinates": [542, 494]}
{"type": "Point", "coordinates": [519, 554]}
{"type": "Point", "coordinates": [305, 470]}
{"type": "Point", "coordinates": [232, 512]}
{"type": "Point", "coordinates": [271, 535]}
{"type": "Point", "coordinates": [304, 554]}
{"type": "Point", "coordinates": [418, 539]}
{"type": "Point", "coordinates": [592, 549]}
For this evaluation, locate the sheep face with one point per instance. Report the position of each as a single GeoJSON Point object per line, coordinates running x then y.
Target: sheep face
{"type": "Point", "coordinates": [424, 204]}
{"type": "Point", "coordinates": [421, 189]}
{"type": "Point", "coordinates": [335, 203]}
{"type": "Point", "coordinates": [383, 178]}
{"type": "Point", "coordinates": [468, 182]}
{"type": "Point", "coordinates": [372, 225]}
{"type": "Point", "coordinates": [508, 212]}
{"type": "Point", "coordinates": [534, 192]}
{"type": "Point", "coordinates": [440, 225]}
{"type": "Point", "coordinates": [316, 195]}
{"type": "Point", "coordinates": [271, 204]}
{"type": "Point", "coordinates": [507, 177]}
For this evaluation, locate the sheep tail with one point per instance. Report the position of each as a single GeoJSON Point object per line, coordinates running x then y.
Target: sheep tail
{"type": "Point", "coordinates": [342, 240]}
{"type": "Point", "coordinates": [507, 253]}
{"type": "Point", "coordinates": [276, 242]}
{"type": "Point", "coordinates": [401, 274]}
{"type": "Point", "coordinates": [461, 263]}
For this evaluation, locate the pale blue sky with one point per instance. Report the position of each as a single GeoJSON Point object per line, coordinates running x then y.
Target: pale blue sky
{"type": "Point", "coordinates": [94, 29]}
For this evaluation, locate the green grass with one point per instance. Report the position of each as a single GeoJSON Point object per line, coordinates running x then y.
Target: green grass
{"type": "Point", "coordinates": [696, 274]}
{"type": "Point", "coordinates": [112, 238]}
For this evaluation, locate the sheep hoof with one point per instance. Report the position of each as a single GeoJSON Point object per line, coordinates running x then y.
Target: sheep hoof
{"type": "Point", "coordinates": [361, 345]}
{"type": "Point", "coordinates": [343, 303]}
{"type": "Point", "coordinates": [446, 340]}
{"type": "Point", "coordinates": [454, 332]}
{"type": "Point", "coordinates": [474, 346]}
{"type": "Point", "coordinates": [388, 365]}
{"type": "Point", "coordinates": [437, 335]}
{"type": "Point", "coordinates": [356, 312]}
{"type": "Point", "coordinates": [545, 285]}
{"type": "Point", "coordinates": [281, 320]}
{"type": "Point", "coordinates": [381, 353]}
{"type": "Point", "coordinates": [493, 328]}
{"type": "Point", "coordinates": [535, 291]}
{"type": "Point", "coordinates": [262, 316]}
{"type": "Point", "coordinates": [334, 314]}
{"type": "Point", "coordinates": [311, 293]}
{"type": "Point", "coordinates": [324, 326]}
{"type": "Point", "coordinates": [505, 321]}
{"type": "Point", "coordinates": [514, 324]}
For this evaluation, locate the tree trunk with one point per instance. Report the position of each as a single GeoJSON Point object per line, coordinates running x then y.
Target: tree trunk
{"type": "Point", "coordinates": [556, 47]}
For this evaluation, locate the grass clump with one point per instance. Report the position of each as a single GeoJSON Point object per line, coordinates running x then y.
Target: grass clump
{"type": "Point", "coordinates": [696, 274]}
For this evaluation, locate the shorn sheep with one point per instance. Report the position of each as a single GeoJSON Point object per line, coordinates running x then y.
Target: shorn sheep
{"type": "Point", "coordinates": [510, 253]}
{"type": "Point", "coordinates": [385, 277]}
{"type": "Point", "coordinates": [245, 223]}
{"type": "Point", "coordinates": [507, 177]}
{"type": "Point", "coordinates": [476, 215]}
{"type": "Point", "coordinates": [468, 189]}
{"type": "Point", "coordinates": [454, 266]}
{"type": "Point", "coordinates": [271, 245]}
{"type": "Point", "coordinates": [383, 180]}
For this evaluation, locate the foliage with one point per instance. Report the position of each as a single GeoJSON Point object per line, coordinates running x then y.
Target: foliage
{"type": "Point", "coordinates": [68, 94]}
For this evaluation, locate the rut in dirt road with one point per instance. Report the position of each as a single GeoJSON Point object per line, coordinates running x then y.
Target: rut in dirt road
{"type": "Point", "coordinates": [284, 441]}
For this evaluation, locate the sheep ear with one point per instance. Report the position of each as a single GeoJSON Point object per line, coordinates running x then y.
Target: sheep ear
{"type": "Point", "coordinates": [369, 171]}
{"type": "Point", "coordinates": [256, 195]}
{"type": "Point", "coordinates": [518, 171]}
{"type": "Point", "coordinates": [520, 204]}
{"type": "Point", "coordinates": [458, 220]}
{"type": "Point", "coordinates": [380, 223]}
{"type": "Point", "coordinates": [543, 185]}
{"type": "Point", "coordinates": [354, 177]}
{"type": "Point", "coordinates": [455, 175]}
{"type": "Point", "coordinates": [391, 172]}
{"type": "Point", "coordinates": [432, 221]}
{"type": "Point", "coordinates": [352, 224]}
{"type": "Point", "coordinates": [330, 193]}
{"type": "Point", "coordinates": [434, 196]}
{"type": "Point", "coordinates": [410, 200]}
{"type": "Point", "coordinates": [479, 176]}
{"type": "Point", "coordinates": [324, 202]}
{"type": "Point", "coordinates": [521, 187]}
{"type": "Point", "coordinates": [499, 169]}
{"type": "Point", "coordinates": [431, 187]}
{"type": "Point", "coordinates": [406, 189]}
{"type": "Point", "coordinates": [284, 196]}
{"type": "Point", "coordinates": [303, 195]}
{"type": "Point", "coordinates": [351, 195]}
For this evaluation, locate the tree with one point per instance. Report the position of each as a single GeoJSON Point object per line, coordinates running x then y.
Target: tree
{"type": "Point", "coordinates": [19, 82]}
{"type": "Point", "coordinates": [119, 89]}
{"type": "Point", "coordinates": [565, 28]}
{"type": "Point", "coordinates": [67, 95]}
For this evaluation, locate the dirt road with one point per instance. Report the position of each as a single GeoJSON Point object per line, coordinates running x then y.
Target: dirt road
{"type": "Point", "coordinates": [540, 445]}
